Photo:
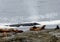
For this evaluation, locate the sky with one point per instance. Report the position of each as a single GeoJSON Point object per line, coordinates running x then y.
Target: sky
{"type": "Point", "coordinates": [16, 11]}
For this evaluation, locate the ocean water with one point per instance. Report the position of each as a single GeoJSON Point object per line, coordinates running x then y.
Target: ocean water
{"type": "Point", "coordinates": [29, 10]}
{"type": "Point", "coordinates": [18, 11]}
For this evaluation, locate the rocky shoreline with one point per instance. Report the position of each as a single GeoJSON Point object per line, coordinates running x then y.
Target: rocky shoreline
{"type": "Point", "coordinates": [33, 36]}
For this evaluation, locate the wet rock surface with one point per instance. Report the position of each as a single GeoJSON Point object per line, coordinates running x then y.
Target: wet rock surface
{"type": "Point", "coordinates": [33, 36]}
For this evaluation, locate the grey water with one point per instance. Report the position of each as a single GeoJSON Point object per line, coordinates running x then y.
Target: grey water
{"type": "Point", "coordinates": [29, 10]}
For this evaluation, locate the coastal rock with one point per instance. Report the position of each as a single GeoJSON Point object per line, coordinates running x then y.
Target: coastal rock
{"type": "Point", "coordinates": [30, 36]}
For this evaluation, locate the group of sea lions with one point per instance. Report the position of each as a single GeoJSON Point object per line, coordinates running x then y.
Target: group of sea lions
{"type": "Point", "coordinates": [34, 28]}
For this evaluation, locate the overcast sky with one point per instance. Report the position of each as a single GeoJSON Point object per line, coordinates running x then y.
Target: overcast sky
{"type": "Point", "coordinates": [29, 10]}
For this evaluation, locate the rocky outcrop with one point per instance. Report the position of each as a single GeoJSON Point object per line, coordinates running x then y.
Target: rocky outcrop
{"type": "Point", "coordinates": [30, 36]}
